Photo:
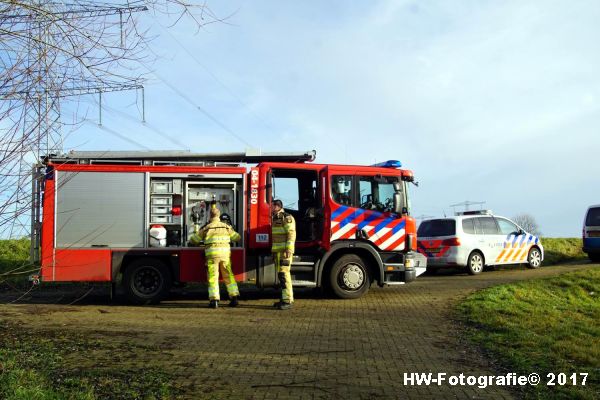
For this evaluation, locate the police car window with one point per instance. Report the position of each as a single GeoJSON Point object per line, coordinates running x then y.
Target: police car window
{"type": "Point", "coordinates": [468, 226]}
{"type": "Point", "coordinates": [593, 217]}
{"type": "Point", "coordinates": [437, 227]}
{"type": "Point", "coordinates": [341, 189]}
{"type": "Point", "coordinates": [488, 226]}
{"type": "Point", "coordinates": [377, 192]}
{"type": "Point", "coordinates": [506, 227]}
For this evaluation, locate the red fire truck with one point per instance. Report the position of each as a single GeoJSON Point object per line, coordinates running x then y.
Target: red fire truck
{"type": "Point", "coordinates": [94, 214]}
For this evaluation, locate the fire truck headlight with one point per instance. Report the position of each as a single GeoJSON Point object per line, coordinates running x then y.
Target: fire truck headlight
{"type": "Point", "coordinates": [409, 263]}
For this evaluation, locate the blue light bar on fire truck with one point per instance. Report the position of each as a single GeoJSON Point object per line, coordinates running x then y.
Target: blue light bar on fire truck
{"type": "Point", "coordinates": [388, 164]}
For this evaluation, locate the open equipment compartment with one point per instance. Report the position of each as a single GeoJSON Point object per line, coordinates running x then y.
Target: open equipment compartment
{"type": "Point", "coordinates": [181, 205]}
{"type": "Point", "coordinates": [200, 195]}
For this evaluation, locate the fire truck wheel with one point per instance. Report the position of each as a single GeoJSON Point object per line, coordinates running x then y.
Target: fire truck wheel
{"type": "Point", "coordinates": [534, 258]}
{"type": "Point", "coordinates": [146, 281]}
{"type": "Point", "coordinates": [349, 277]}
{"type": "Point", "coordinates": [475, 263]}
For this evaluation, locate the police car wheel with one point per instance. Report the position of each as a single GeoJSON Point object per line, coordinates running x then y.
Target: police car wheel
{"type": "Point", "coordinates": [534, 258]}
{"type": "Point", "coordinates": [349, 277]}
{"type": "Point", "coordinates": [475, 263]}
{"type": "Point", "coordinates": [146, 281]}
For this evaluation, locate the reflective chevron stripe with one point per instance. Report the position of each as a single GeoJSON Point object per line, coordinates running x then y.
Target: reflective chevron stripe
{"type": "Point", "coordinates": [385, 230]}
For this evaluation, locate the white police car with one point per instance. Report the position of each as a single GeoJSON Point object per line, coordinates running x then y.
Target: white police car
{"type": "Point", "coordinates": [474, 239]}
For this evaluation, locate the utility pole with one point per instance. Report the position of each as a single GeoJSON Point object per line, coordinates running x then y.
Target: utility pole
{"type": "Point", "coordinates": [46, 72]}
{"type": "Point", "coordinates": [54, 52]}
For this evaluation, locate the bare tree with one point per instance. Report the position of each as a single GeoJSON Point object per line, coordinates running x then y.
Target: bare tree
{"type": "Point", "coordinates": [53, 52]}
{"type": "Point", "coordinates": [528, 223]}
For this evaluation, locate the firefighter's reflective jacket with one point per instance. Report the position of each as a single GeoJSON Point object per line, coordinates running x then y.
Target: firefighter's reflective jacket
{"type": "Point", "coordinates": [284, 232]}
{"type": "Point", "coordinates": [216, 237]}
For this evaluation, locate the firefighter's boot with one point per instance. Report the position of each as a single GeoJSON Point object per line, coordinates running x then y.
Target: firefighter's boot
{"type": "Point", "coordinates": [213, 304]}
{"type": "Point", "coordinates": [277, 304]}
{"type": "Point", "coordinates": [282, 282]}
{"type": "Point", "coordinates": [234, 301]}
{"type": "Point", "coordinates": [284, 306]}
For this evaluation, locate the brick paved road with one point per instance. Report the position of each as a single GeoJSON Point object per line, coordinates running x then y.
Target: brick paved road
{"type": "Point", "coordinates": [324, 348]}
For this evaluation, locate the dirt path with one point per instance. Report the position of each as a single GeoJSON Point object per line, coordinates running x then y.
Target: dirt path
{"type": "Point", "coordinates": [321, 349]}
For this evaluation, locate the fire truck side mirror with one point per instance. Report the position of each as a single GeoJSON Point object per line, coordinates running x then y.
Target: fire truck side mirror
{"type": "Point", "coordinates": [398, 208]}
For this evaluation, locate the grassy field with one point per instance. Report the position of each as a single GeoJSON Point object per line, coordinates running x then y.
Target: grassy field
{"type": "Point", "coordinates": [41, 365]}
{"type": "Point", "coordinates": [52, 366]}
{"type": "Point", "coordinates": [546, 325]}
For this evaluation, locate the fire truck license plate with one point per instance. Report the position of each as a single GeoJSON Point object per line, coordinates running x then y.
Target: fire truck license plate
{"type": "Point", "coordinates": [262, 238]}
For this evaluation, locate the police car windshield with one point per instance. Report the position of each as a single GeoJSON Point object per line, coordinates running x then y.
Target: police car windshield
{"type": "Point", "coordinates": [593, 217]}
{"type": "Point", "coordinates": [437, 227]}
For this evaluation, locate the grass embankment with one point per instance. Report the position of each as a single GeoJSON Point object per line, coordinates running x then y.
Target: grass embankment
{"type": "Point", "coordinates": [49, 366]}
{"type": "Point", "coordinates": [558, 250]}
{"type": "Point", "coordinates": [545, 326]}
{"type": "Point", "coordinates": [14, 253]}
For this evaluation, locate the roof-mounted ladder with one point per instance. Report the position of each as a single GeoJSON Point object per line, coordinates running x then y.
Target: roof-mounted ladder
{"type": "Point", "coordinates": [168, 157]}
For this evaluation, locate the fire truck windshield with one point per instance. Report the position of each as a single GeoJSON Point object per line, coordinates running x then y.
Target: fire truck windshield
{"type": "Point", "coordinates": [381, 193]}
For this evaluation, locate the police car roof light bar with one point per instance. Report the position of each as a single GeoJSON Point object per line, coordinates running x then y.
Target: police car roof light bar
{"type": "Point", "coordinates": [475, 212]}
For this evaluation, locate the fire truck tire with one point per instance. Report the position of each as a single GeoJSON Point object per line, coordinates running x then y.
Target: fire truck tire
{"type": "Point", "coordinates": [147, 281]}
{"type": "Point", "coordinates": [349, 277]}
{"type": "Point", "coordinates": [475, 263]}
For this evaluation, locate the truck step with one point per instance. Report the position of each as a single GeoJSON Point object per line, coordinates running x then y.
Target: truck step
{"type": "Point", "coordinates": [301, 268]}
{"type": "Point", "coordinates": [394, 283]}
{"type": "Point", "coordinates": [303, 283]}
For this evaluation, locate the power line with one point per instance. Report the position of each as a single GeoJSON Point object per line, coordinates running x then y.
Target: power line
{"type": "Point", "coordinates": [146, 125]}
{"type": "Point", "coordinates": [117, 134]}
{"type": "Point", "coordinates": [215, 78]}
{"type": "Point", "coordinates": [202, 110]}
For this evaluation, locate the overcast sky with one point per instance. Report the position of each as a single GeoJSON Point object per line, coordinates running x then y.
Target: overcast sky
{"type": "Point", "coordinates": [495, 101]}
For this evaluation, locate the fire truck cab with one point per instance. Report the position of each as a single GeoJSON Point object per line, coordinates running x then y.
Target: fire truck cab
{"type": "Point", "coordinates": [127, 217]}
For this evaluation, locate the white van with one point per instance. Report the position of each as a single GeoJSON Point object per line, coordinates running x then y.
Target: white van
{"type": "Point", "coordinates": [591, 233]}
{"type": "Point", "coordinates": [474, 239]}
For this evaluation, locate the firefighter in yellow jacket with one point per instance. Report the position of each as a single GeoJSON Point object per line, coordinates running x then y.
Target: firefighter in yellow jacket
{"type": "Point", "coordinates": [216, 236]}
{"type": "Point", "coordinates": [283, 231]}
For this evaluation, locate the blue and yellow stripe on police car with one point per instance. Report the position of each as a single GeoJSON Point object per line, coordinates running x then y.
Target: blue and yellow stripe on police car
{"type": "Point", "coordinates": [516, 248]}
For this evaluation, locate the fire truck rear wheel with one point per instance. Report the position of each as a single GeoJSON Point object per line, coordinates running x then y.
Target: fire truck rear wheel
{"type": "Point", "coordinates": [147, 281]}
{"type": "Point", "coordinates": [349, 277]}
